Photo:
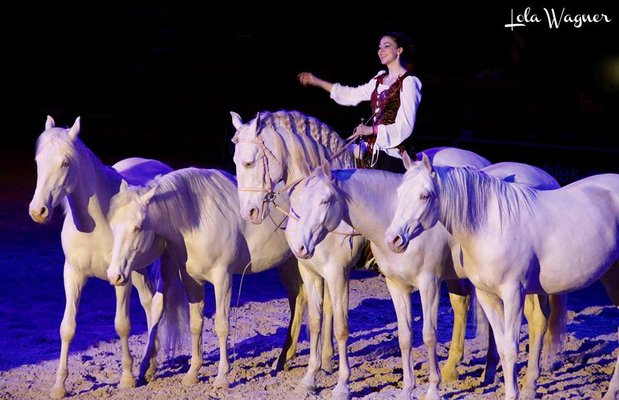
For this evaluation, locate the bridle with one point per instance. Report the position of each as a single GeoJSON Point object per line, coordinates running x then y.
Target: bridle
{"type": "Point", "coordinates": [270, 193]}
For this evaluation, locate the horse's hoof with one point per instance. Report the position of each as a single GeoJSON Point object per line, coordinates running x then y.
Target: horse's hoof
{"type": "Point", "coordinates": [58, 392]}
{"type": "Point", "coordinates": [405, 394]}
{"type": "Point", "coordinates": [190, 379]}
{"type": "Point", "coordinates": [126, 383]}
{"type": "Point", "coordinates": [488, 378]}
{"type": "Point", "coordinates": [433, 395]}
{"type": "Point", "coordinates": [527, 393]}
{"type": "Point", "coordinates": [279, 365]}
{"type": "Point", "coordinates": [305, 388]}
{"type": "Point", "coordinates": [449, 374]}
{"type": "Point", "coordinates": [221, 383]}
{"type": "Point", "coordinates": [341, 393]}
{"type": "Point", "coordinates": [327, 366]}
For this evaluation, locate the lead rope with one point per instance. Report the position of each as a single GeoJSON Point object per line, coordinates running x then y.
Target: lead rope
{"type": "Point", "coordinates": [238, 300]}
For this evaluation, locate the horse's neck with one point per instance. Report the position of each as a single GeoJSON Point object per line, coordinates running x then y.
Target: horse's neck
{"type": "Point", "coordinates": [372, 201]}
{"type": "Point", "coordinates": [89, 201]}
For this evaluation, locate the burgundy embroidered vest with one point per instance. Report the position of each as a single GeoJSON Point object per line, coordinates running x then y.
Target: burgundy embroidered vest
{"type": "Point", "coordinates": [385, 105]}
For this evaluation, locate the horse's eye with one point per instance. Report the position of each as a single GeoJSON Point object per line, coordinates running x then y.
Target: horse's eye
{"type": "Point", "coordinates": [137, 229]}
{"type": "Point", "coordinates": [64, 164]}
{"type": "Point", "coordinates": [424, 197]}
{"type": "Point", "coordinates": [248, 164]}
{"type": "Point", "coordinates": [324, 201]}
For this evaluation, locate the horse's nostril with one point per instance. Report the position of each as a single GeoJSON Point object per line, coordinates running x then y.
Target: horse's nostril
{"type": "Point", "coordinates": [43, 211]}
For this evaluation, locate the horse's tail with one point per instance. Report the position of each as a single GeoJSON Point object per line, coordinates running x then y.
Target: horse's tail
{"type": "Point", "coordinates": [557, 322]}
{"type": "Point", "coordinates": [174, 326]}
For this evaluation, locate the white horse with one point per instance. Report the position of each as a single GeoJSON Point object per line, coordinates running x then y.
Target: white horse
{"type": "Point", "coordinates": [516, 240]}
{"type": "Point", "coordinates": [273, 152]}
{"type": "Point", "coordinates": [196, 212]}
{"type": "Point", "coordinates": [68, 173]}
{"type": "Point", "coordinates": [365, 199]}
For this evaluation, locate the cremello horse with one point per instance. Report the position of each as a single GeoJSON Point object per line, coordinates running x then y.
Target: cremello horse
{"type": "Point", "coordinates": [272, 153]}
{"type": "Point", "coordinates": [68, 173]}
{"type": "Point", "coordinates": [196, 212]}
{"type": "Point", "coordinates": [366, 200]}
{"type": "Point", "coordinates": [516, 240]}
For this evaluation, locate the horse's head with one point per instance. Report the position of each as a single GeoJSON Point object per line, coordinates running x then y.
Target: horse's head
{"type": "Point", "coordinates": [57, 166]}
{"type": "Point", "coordinates": [258, 168]}
{"type": "Point", "coordinates": [131, 229]}
{"type": "Point", "coordinates": [417, 208]}
{"type": "Point", "coordinates": [319, 207]}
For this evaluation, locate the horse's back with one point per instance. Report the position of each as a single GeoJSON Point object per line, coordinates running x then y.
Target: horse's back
{"type": "Point", "coordinates": [454, 157]}
{"type": "Point", "coordinates": [138, 171]}
{"type": "Point", "coordinates": [522, 173]}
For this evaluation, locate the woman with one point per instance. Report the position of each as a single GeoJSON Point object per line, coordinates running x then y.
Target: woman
{"type": "Point", "coordinates": [394, 95]}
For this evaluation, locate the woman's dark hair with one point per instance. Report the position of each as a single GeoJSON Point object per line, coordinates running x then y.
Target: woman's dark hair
{"type": "Point", "coordinates": [408, 49]}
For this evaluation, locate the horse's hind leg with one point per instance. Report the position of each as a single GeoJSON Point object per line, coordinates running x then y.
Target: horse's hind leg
{"type": "Point", "coordinates": [123, 327]}
{"type": "Point", "coordinates": [536, 311]}
{"type": "Point", "coordinates": [610, 281]}
{"type": "Point", "coordinates": [74, 282]}
{"type": "Point", "coordinates": [459, 296]}
{"type": "Point", "coordinates": [291, 279]}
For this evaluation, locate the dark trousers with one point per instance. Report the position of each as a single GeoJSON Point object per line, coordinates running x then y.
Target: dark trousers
{"type": "Point", "coordinates": [386, 162]}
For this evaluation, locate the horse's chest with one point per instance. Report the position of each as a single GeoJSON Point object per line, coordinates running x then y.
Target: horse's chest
{"type": "Point", "coordinates": [88, 253]}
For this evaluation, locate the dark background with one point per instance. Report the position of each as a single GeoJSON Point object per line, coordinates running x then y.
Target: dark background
{"type": "Point", "coordinates": [158, 80]}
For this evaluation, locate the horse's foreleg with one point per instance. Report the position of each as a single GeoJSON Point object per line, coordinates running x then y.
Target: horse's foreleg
{"type": "Point", "coordinates": [429, 286]}
{"type": "Point", "coordinates": [536, 311]}
{"type": "Point", "coordinates": [492, 306]}
{"type": "Point", "coordinates": [513, 304]}
{"type": "Point", "coordinates": [223, 294]}
{"type": "Point", "coordinates": [401, 298]}
{"type": "Point", "coordinates": [74, 282]}
{"type": "Point", "coordinates": [609, 280]}
{"type": "Point", "coordinates": [195, 295]}
{"type": "Point", "coordinates": [613, 386]}
{"type": "Point", "coordinates": [146, 291]}
{"type": "Point", "coordinates": [326, 332]}
{"type": "Point", "coordinates": [166, 275]}
{"type": "Point", "coordinates": [313, 285]}
{"type": "Point", "coordinates": [123, 327]}
{"type": "Point", "coordinates": [338, 289]}
{"type": "Point", "coordinates": [291, 279]}
{"type": "Point", "coordinates": [459, 297]}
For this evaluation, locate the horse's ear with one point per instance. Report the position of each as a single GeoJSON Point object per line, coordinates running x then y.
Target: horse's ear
{"type": "Point", "coordinates": [123, 186]}
{"type": "Point", "coordinates": [49, 123]}
{"type": "Point", "coordinates": [146, 197]}
{"type": "Point", "coordinates": [406, 159]}
{"type": "Point", "coordinates": [427, 164]}
{"type": "Point", "coordinates": [326, 169]}
{"type": "Point", "coordinates": [256, 124]}
{"type": "Point", "coordinates": [75, 129]}
{"type": "Point", "coordinates": [236, 120]}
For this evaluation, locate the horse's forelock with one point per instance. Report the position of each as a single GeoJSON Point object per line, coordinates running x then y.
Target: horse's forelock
{"type": "Point", "coordinates": [59, 140]}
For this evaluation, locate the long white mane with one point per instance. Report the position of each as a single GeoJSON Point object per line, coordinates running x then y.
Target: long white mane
{"type": "Point", "coordinates": [465, 195]}
{"type": "Point", "coordinates": [187, 198]}
{"type": "Point", "coordinates": [305, 140]}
